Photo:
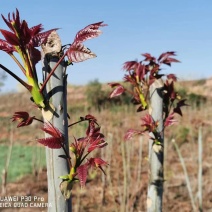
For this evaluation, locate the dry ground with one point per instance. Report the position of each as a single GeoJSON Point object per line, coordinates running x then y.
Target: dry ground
{"type": "Point", "coordinates": [128, 160]}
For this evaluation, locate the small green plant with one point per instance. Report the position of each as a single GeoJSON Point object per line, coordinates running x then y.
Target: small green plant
{"type": "Point", "coordinates": [182, 135]}
{"type": "Point", "coordinates": [196, 99]}
{"type": "Point", "coordinates": [95, 94]}
{"type": "Point", "coordinates": [200, 82]}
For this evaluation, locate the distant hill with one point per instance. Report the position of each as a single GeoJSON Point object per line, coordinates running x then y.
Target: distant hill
{"type": "Point", "coordinates": [16, 101]}
{"type": "Point", "coordinates": [201, 87]}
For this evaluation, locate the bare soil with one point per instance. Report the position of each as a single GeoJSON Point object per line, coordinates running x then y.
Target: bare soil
{"type": "Point", "coordinates": [106, 194]}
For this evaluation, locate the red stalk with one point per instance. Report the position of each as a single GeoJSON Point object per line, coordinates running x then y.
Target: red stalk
{"type": "Point", "coordinates": [28, 87]}
{"type": "Point", "coordinates": [51, 73]}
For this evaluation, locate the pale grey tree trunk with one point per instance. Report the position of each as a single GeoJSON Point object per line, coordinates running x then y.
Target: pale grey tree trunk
{"type": "Point", "coordinates": [56, 94]}
{"type": "Point", "coordinates": [156, 153]}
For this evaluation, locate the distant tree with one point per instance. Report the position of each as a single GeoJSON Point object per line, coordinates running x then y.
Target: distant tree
{"type": "Point", "coordinates": [94, 93]}
{"type": "Point", "coordinates": [2, 78]}
{"type": "Point", "coordinates": [98, 97]}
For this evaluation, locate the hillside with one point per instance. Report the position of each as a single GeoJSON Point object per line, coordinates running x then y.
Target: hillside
{"type": "Point", "coordinates": [201, 87]}
{"type": "Point", "coordinates": [106, 194]}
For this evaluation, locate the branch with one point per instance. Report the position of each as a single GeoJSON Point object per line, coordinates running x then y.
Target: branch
{"type": "Point", "coordinates": [51, 73]}
{"type": "Point", "coordinates": [28, 87]}
{"type": "Point", "coordinates": [18, 63]}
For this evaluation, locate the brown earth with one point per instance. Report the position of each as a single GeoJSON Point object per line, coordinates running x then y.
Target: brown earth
{"type": "Point", "coordinates": [107, 193]}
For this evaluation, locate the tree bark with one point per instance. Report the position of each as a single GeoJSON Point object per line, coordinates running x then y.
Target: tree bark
{"type": "Point", "coordinates": [56, 89]}
{"type": "Point", "coordinates": [156, 152]}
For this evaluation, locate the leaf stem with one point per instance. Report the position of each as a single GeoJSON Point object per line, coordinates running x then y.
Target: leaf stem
{"type": "Point", "coordinates": [51, 73]}
{"type": "Point", "coordinates": [67, 155]}
{"type": "Point", "coordinates": [82, 121]}
{"type": "Point", "coordinates": [18, 63]}
{"type": "Point", "coordinates": [76, 123]}
{"type": "Point", "coordinates": [38, 120]}
{"type": "Point", "coordinates": [28, 87]}
{"type": "Point", "coordinates": [82, 159]}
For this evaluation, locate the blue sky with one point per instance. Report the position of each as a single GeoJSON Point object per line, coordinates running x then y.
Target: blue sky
{"type": "Point", "coordinates": [134, 27]}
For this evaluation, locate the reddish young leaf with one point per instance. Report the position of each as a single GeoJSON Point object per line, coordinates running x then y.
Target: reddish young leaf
{"type": "Point", "coordinates": [36, 29]}
{"type": "Point", "coordinates": [147, 119]}
{"type": "Point", "coordinates": [51, 142]}
{"type": "Point", "coordinates": [131, 65]}
{"type": "Point", "coordinates": [114, 84]}
{"type": "Point", "coordinates": [166, 59]}
{"type": "Point", "coordinates": [131, 133]}
{"type": "Point", "coordinates": [98, 163]}
{"type": "Point", "coordinates": [24, 34]}
{"type": "Point", "coordinates": [172, 77]}
{"type": "Point", "coordinates": [165, 55]}
{"type": "Point", "coordinates": [16, 20]}
{"type": "Point", "coordinates": [10, 37]}
{"type": "Point", "coordinates": [154, 74]}
{"type": "Point", "coordinates": [82, 172]}
{"type": "Point", "coordinates": [180, 104]}
{"type": "Point", "coordinates": [23, 118]}
{"type": "Point", "coordinates": [51, 130]}
{"type": "Point", "coordinates": [130, 78]}
{"type": "Point", "coordinates": [90, 118]}
{"type": "Point", "coordinates": [98, 142]}
{"type": "Point", "coordinates": [78, 147]}
{"type": "Point", "coordinates": [170, 60]}
{"type": "Point", "coordinates": [8, 22]}
{"type": "Point", "coordinates": [140, 71]}
{"type": "Point", "coordinates": [35, 55]}
{"type": "Point", "coordinates": [89, 32]}
{"type": "Point", "coordinates": [37, 39]}
{"type": "Point", "coordinates": [170, 120]}
{"type": "Point", "coordinates": [92, 130]}
{"type": "Point", "coordinates": [117, 91]}
{"type": "Point", "coordinates": [169, 91]}
{"type": "Point", "coordinates": [149, 124]}
{"type": "Point", "coordinates": [149, 57]}
{"type": "Point", "coordinates": [21, 33]}
{"type": "Point", "coordinates": [77, 52]}
{"type": "Point", "coordinates": [4, 46]}
{"type": "Point", "coordinates": [55, 141]}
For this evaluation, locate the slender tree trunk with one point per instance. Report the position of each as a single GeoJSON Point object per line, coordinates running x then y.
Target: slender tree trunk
{"type": "Point", "coordinates": [200, 142]}
{"type": "Point", "coordinates": [190, 192]}
{"type": "Point", "coordinates": [156, 154]}
{"type": "Point", "coordinates": [56, 94]}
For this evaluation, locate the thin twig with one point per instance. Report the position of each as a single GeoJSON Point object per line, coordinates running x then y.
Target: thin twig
{"type": "Point", "coordinates": [186, 175]}
{"type": "Point", "coordinates": [51, 73]}
{"type": "Point", "coordinates": [38, 120]}
{"type": "Point", "coordinates": [28, 87]}
{"type": "Point", "coordinates": [200, 168]}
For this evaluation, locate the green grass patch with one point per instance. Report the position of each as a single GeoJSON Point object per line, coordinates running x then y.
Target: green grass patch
{"type": "Point", "coordinates": [23, 159]}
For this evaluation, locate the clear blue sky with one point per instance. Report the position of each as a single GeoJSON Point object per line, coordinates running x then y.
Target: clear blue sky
{"type": "Point", "coordinates": [134, 27]}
